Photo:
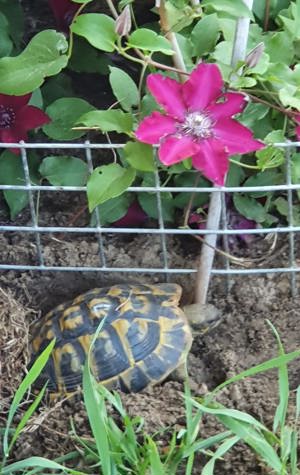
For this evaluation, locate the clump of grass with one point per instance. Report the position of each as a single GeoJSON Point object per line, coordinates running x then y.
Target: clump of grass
{"type": "Point", "coordinates": [276, 447]}
{"type": "Point", "coordinates": [10, 435]}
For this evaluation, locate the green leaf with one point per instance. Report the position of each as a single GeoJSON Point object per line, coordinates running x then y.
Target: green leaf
{"type": "Point", "coordinates": [148, 40]}
{"type": "Point", "coordinates": [280, 48]}
{"type": "Point", "coordinates": [6, 44]}
{"type": "Point", "coordinates": [282, 207]}
{"type": "Point", "coordinates": [108, 120]}
{"type": "Point", "coordinates": [296, 170]}
{"type": "Point", "coordinates": [269, 157]}
{"type": "Point", "coordinates": [148, 105]}
{"type": "Point", "coordinates": [186, 179]}
{"type": "Point", "coordinates": [97, 29]}
{"type": "Point", "coordinates": [249, 207]}
{"type": "Point", "coordinates": [139, 156]}
{"type": "Point", "coordinates": [87, 59]}
{"type": "Point", "coordinates": [267, 178]}
{"type": "Point", "coordinates": [235, 8]}
{"type": "Point", "coordinates": [64, 114]}
{"type": "Point", "coordinates": [64, 170]}
{"type": "Point", "coordinates": [289, 96]}
{"type": "Point", "coordinates": [124, 88]}
{"type": "Point", "coordinates": [113, 209]}
{"type": "Point", "coordinates": [148, 202]}
{"type": "Point", "coordinates": [235, 175]}
{"type": "Point", "coordinates": [205, 34]}
{"type": "Point", "coordinates": [12, 173]}
{"type": "Point", "coordinates": [253, 113]}
{"type": "Point", "coordinates": [275, 136]}
{"type": "Point", "coordinates": [44, 56]}
{"type": "Point", "coordinates": [179, 15]}
{"type": "Point", "coordinates": [13, 12]}
{"type": "Point", "coordinates": [106, 182]}
{"type": "Point", "coordinates": [57, 87]}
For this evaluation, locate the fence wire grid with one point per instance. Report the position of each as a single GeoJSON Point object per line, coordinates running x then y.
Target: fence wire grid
{"type": "Point", "coordinates": [162, 230]}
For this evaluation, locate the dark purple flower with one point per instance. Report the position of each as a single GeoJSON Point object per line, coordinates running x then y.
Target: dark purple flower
{"type": "Point", "coordinates": [63, 11]}
{"type": "Point", "coordinates": [17, 117]}
{"type": "Point", "coordinates": [134, 217]}
{"type": "Point", "coordinates": [234, 221]}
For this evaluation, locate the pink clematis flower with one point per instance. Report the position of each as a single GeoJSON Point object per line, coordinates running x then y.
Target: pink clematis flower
{"type": "Point", "coordinates": [297, 130]}
{"type": "Point", "coordinates": [197, 122]}
{"type": "Point", "coordinates": [17, 117]}
{"type": "Point", "coordinates": [63, 11]}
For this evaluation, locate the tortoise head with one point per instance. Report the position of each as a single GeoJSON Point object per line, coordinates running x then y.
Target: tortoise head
{"type": "Point", "coordinates": [202, 317]}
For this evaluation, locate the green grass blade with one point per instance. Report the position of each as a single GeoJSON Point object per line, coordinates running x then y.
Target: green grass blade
{"type": "Point", "coordinates": [64, 458]}
{"type": "Point", "coordinates": [208, 469]}
{"type": "Point", "coordinates": [156, 465]}
{"type": "Point", "coordinates": [232, 413]}
{"type": "Point", "coordinates": [192, 420]}
{"type": "Point", "coordinates": [283, 384]}
{"type": "Point", "coordinates": [286, 443]}
{"type": "Point", "coordinates": [189, 465]}
{"type": "Point", "coordinates": [297, 404]}
{"type": "Point", "coordinates": [37, 462]}
{"type": "Point", "coordinates": [96, 413]}
{"type": "Point", "coordinates": [270, 364]}
{"type": "Point", "coordinates": [255, 440]}
{"type": "Point", "coordinates": [205, 444]}
{"type": "Point", "coordinates": [28, 413]}
{"type": "Point", "coordinates": [29, 379]}
{"type": "Point", "coordinates": [294, 453]}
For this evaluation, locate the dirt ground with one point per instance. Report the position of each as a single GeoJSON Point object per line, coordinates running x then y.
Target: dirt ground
{"type": "Point", "coordinates": [242, 340]}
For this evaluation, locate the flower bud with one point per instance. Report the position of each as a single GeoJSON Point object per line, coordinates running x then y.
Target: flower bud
{"type": "Point", "coordinates": [123, 22]}
{"type": "Point", "coordinates": [253, 57]}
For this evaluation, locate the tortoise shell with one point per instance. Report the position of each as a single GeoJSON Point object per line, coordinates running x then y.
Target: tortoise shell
{"type": "Point", "coordinates": [144, 337]}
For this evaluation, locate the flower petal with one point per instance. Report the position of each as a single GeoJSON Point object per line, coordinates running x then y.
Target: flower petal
{"type": "Point", "coordinates": [16, 102]}
{"type": "Point", "coordinates": [236, 137]}
{"type": "Point", "coordinates": [212, 161]}
{"type": "Point", "coordinates": [174, 149]}
{"type": "Point", "coordinates": [167, 93]}
{"type": "Point", "coordinates": [63, 11]}
{"type": "Point", "coordinates": [203, 87]}
{"type": "Point", "coordinates": [233, 104]}
{"type": "Point", "coordinates": [30, 117]}
{"type": "Point", "coordinates": [154, 127]}
{"type": "Point", "coordinates": [12, 136]}
{"type": "Point", "coordinates": [298, 132]}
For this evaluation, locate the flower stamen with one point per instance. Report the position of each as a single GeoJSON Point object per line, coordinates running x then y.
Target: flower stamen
{"type": "Point", "coordinates": [197, 124]}
{"type": "Point", "coordinates": [7, 117]}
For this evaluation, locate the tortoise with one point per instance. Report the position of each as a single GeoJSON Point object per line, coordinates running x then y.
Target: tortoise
{"type": "Point", "coordinates": [144, 337]}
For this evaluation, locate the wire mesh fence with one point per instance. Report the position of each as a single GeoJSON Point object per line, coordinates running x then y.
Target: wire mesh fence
{"type": "Point", "coordinates": [226, 266]}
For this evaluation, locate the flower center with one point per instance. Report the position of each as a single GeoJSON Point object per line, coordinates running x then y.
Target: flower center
{"type": "Point", "coordinates": [197, 124]}
{"type": "Point", "coordinates": [7, 117]}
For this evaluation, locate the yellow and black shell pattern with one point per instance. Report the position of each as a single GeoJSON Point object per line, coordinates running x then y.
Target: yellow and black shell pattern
{"type": "Point", "coordinates": [143, 338]}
